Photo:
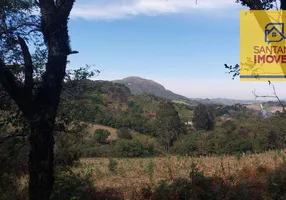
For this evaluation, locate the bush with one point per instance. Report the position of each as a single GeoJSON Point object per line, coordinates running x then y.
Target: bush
{"type": "Point", "coordinates": [197, 187]}
{"type": "Point", "coordinates": [112, 165]}
{"type": "Point", "coordinates": [101, 135]}
{"type": "Point", "coordinates": [186, 145]}
{"type": "Point", "coordinates": [277, 183]}
{"type": "Point", "coordinates": [72, 186]}
{"type": "Point", "coordinates": [132, 148]}
{"type": "Point", "coordinates": [68, 145]}
{"type": "Point", "coordinates": [98, 151]}
{"type": "Point", "coordinates": [124, 133]}
{"type": "Point", "coordinates": [91, 151]}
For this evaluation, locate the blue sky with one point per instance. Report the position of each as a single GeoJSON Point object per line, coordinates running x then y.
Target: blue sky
{"type": "Point", "coordinates": [180, 44]}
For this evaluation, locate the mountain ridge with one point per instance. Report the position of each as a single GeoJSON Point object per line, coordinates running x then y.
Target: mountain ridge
{"type": "Point", "coordinates": [139, 85]}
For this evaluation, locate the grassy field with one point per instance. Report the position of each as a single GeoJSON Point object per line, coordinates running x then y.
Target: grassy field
{"type": "Point", "coordinates": [134, 174]}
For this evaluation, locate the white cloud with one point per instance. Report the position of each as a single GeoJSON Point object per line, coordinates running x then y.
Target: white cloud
{"type": "Point", "coordinates": [114, 9]}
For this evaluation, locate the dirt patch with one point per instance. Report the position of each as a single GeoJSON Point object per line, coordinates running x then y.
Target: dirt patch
{"type": "Point", "coordinates": [94, 127]}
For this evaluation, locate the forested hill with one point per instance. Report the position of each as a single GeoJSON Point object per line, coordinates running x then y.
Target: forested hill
{"type": "Point", "coordinates": [138, 85]}
{"type": "Point", "coordinates": [112, 104]}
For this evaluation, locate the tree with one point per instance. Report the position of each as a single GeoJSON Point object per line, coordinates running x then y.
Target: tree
{"type": "Point", "coordinates": [101, 136]}
{"type": "Point", "coordinates": [169, 125]}
{"type": "Point", "coordinates": [36, 96]}
{"type": "Point", "coordinates": [124, 133]}
{"type": "Point", "coordinates": [203, 117]}
{"type": "Point", "coordinates": [132, 148]}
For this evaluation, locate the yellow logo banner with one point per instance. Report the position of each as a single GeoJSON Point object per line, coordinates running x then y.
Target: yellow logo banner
{"type": "Point", "coordinates": [262, 45]}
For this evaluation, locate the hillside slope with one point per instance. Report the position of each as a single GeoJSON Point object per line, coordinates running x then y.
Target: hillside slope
{"type": "Point", "coordinates": [138, 85]}
{"type": "Point", "coordinates": [225, 101]}
{"type": "Point", "coordinates": [112, 104]}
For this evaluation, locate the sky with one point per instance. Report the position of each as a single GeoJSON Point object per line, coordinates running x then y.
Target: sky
{"type": "Point", "coordinates": [180, 44]}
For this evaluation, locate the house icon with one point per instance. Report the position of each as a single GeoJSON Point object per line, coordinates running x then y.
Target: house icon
{"type": "Point", "coordinates": [274, 32]}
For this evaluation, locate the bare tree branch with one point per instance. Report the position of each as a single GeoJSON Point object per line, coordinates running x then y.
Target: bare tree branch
{"type": "Point", "coordinates": [28, 65]}
{"type": "Point", "coordinates": [14, 89]}
{"type": "Point", "coordinates": [21, 25]}
{"type": "Point", "coordinates": [271, 96]}
{"type": "Point", "coordinates": [12, 136]}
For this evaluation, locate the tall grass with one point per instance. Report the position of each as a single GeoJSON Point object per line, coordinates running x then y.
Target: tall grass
{"type": "Point", "coordinates": [255, 175]}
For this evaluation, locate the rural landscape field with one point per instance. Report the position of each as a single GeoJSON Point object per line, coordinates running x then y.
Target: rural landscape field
{"type": "Point", "coordinates": [258, 176]}
{"type": "Point", "coordinates": [164, 114]}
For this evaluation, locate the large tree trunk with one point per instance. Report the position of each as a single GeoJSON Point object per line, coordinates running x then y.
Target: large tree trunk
{"type": "Point", "coordinates": [41, 160]}
{"type": "Point", "coordinates": [55, 31]}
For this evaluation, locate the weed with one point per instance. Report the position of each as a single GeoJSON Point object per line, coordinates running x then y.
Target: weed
{"type": "Point", "coordinates": [150, 170]}
{"type": "Point", "coordinates": [112, 165]}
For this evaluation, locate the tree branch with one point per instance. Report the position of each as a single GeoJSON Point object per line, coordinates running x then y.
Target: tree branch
{"type": "Point", "coordinates": [28, 66]}
{"type": "Point", "coordinates": [271, 96]}
{"type": "Point", "coordinates": [46, 4]}
{"type": "Point", "coordinates": [11, 136]}
{"type": "Point", "coordinates": [253, 4]}
{"type": "Point", "coordinates": [14, 89]}
{"type": "Point", "coordinates": [282, 4]}
{"type": "Point", "coordinates": [64, 6]}
{"type": "Point", "coordinates": [22, 25]}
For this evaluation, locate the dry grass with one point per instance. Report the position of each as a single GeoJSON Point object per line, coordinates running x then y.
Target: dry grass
{"type": "Point", "coordinates": [136, 173]}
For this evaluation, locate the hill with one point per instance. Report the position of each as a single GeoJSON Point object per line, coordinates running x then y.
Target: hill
{"type": "Point", "coordinates": [138, 85]}
{"type": "Point", "coordinates": [225, 101]}
{"type": "Point", "coordinates": [112, 104]}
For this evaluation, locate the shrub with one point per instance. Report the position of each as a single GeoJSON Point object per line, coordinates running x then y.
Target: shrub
{"type": "Point", "coordinates": [112, 165]}
{"type": "Point", "coordinates": [101, 135]}
{"type": "Point", "coordinates": [132, 148]}
{"type": "Point", "coordinates": [277, 183]}
{"type": "Point", "coordinates": [186, 145]}
{"type": "Point", "coordinates": [91, 151]}
{"type": "Point", "coordinates": [124, 133]}
{"type": "Point", "coordinates": [72, 186]}
{"type": "Point", "coordinates": [68, 145]}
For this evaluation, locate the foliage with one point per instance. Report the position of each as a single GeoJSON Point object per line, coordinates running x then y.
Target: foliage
{"type": "Point", "coordinates": [197, 186]}
{"type": "Point", "coordinates": [169, 125]}
{"type": "Point", "coordinates": [187, 144]}
{"type": "Point", "coordinates": [124, 133]}
{"type": "Point", "coordinates": [72, 186]}
{"type": "Point", "coordinates": [232, 137]}
{"type": "Point", "coordinates": [34, 79]}
{"type": "Point", "coordinates": [112, 165]}
{"type": "Point", "coordinates": [68, 145]}
{"type": "Point", "coordinates": [14, 155]}
{"type": "Point", "coordinates": [150, 170]}
{"type": "Point", "coordinates": [204, 117]}
{"type": "Point", "coordinates": [132, 148]}
{"type": "Point", "coordinates": [101, 135]}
